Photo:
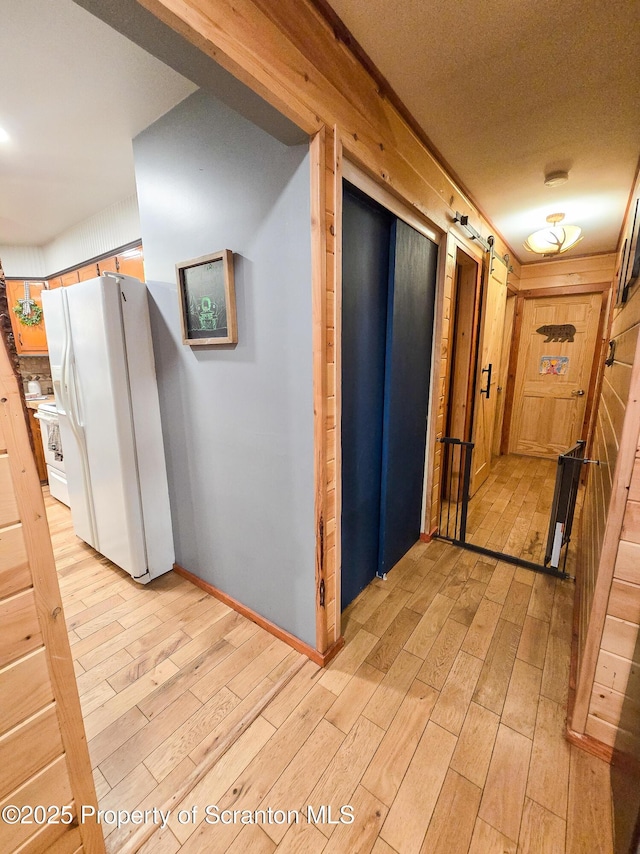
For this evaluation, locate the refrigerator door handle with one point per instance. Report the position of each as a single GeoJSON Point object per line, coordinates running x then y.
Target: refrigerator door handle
{"type": "Point", "coordinates": [69, 402]}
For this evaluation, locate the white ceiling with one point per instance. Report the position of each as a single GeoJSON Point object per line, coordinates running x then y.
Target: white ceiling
{"type": "Point", "coordinates": [74, 93]}
{"type": "Point", "coordinates": [508, 89]}
{"type": "Point", "coordinates": [505, 90]}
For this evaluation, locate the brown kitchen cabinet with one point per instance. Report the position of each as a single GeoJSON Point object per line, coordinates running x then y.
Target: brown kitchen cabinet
{"type": "Point", "coordinates": [29, 339]}
{"type": "Point", "coordinates": [71, 278]}
{"type": "Point", "coordinates": [131, 263]}
{"type": "Point", "coordinates": [107, 265]}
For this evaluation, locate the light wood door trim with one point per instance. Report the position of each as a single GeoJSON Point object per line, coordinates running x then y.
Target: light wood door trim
{"type": "Point", "coordinates": [326, 254]}
{"type": "Point", "coordinates": [335, 447]}
{"type": "Point", "coordinates": [461, 384]}
{"type": "Point", "coordinates": [489, 352]}
{"type": "Point", "coordinates": [319, 344]}
{"type": "Point", "coordinates": [511, 374]}
{"type": "Point", "coordinates": [507, 335]}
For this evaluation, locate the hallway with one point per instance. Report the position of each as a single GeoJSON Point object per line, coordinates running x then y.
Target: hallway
{"type": "Point", "coordinates": [441, 722]}
{"type": "Point", "coordinates": [510, 512]}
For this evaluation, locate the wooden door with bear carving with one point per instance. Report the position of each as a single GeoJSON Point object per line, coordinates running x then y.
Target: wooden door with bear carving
{"type": "Point", "coordinates": [555, 359]}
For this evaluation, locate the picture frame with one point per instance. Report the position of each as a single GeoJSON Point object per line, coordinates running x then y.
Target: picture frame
{"type": "Point", "coordinates": [631, 265]}
{"type": "Point", "coordinates": [207, 300]}
{"type": "Point", "coordinates": [620, 275]}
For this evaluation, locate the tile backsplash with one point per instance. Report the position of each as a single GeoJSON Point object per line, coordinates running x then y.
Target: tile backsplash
{"type": "Point", "coordinates": [36, 368]}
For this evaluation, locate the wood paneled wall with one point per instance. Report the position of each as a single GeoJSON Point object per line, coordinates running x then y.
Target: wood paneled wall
{"type": "Point", "coordinates": [566, 272]}
{"type": "Point", "coordinates": [607, 698]}
{"type": "Point", "coordinates": [615, 693]}
{"type": "Point", "coordinates": [43, 752]}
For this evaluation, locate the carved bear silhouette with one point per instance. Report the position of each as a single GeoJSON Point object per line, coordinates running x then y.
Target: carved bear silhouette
{"type": "Point", "coordinates": [557, 332]}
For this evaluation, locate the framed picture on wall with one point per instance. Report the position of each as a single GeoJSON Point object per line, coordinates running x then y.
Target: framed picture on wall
{"type": "Point", "coordinates": [620, 275]}
{"type": "Point", "coordinates": [632, 267]}
{"type": "Point", "coordinates": [207, 300]}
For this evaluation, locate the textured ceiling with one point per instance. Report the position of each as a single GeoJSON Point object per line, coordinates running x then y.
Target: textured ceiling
{"type": "Point", "coordinates": [508, 90]}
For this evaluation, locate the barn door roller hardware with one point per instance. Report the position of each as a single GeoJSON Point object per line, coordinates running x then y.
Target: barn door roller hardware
{"type": "Point", "coordinates": [463, 219]}
{"type": "Point", "coordinates": [487, 244]}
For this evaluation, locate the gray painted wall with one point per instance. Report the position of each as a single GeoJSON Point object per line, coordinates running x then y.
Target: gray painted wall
{"type": "Point", "coordinates": [237, 420]}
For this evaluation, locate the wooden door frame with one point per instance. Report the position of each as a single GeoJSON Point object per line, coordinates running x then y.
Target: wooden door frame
{"type": "Point", "coordinates": [487, 276]}
{"type": "Point", "coordinates": [512, 293]}
{"type": "Point", "coordinates": [602, 288]}
{"type": "Point", "coordinates": [441, 378]}
{"type": "Point", "coordinates": [474, 264]}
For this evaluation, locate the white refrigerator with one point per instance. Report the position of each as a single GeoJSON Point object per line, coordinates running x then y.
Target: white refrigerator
{"type": "Point", "coordinates": [104, 383]}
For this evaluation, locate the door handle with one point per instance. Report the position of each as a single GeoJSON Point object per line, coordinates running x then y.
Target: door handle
{"type": "Point", "coordinates": [487, 371]}
{"type": "Point", "coordinates": [578, 392]}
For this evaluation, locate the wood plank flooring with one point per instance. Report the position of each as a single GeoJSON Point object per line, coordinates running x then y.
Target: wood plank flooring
{"type": "Point", "coordinates": [510, 511]}
{"type": "Point", "coordinates": [440, 723]}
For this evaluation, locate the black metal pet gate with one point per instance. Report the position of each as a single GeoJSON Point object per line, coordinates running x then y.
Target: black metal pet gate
{"type": "Point", "coordinates": [454, 505]}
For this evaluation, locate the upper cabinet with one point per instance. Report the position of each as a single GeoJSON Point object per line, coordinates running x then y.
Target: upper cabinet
{"type": "Point", "coordinates": [107, 265]}
{"type": "Point", "coordinates": [29, 336]}
{"type": "Point", "coordinates": [131, 263]}
{"type": "Point", "coordinates": [63, 281]}
{"type": "Point", "coordinates": [89, 271]}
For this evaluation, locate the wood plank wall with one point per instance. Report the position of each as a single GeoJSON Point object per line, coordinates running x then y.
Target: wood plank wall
{"type": "Point", "coordinates": [614, 708]}
{"type": "Point", "coordinates": [607, 697]}
{"type": "Point", "coordinates": [288, 53]}
{"type": "Point", "coordinates": [43, 751]}
{"type": "Point", "coordinates": [568, 272]}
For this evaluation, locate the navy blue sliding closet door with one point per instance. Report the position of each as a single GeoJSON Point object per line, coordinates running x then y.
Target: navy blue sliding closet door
{"type": "Point", "coordinates": [388, 288]}
{"type": "Point", "coordinates": [365, 275]}
{"type": "Point", "coordinates": [412, 281]}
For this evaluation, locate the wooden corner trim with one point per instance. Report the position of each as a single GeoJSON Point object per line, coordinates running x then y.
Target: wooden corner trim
{"type": "Point", "coordinates": [318, 158]}
{"type": "Point", "coordinates": [610, 755]}
{"type": "Point", "coordinates": [591, 745]}
{"type": "Point", "coordinates": [427, 537]}
{"type": "Point", "coordinates": [319, 658]}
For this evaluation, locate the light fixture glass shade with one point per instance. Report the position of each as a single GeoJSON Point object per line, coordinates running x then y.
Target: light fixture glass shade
{"type": "Point", "coordinates": [553, 240]}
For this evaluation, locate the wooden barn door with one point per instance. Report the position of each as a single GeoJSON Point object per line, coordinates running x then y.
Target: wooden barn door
{"type": "Point", "coordinates": [488, 367]}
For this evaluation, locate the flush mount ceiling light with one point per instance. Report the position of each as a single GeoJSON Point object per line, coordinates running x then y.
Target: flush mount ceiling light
{"type": "Point", "coordinates": [555, 179]}
{"type": "Point", "coordinates": [555, 239]}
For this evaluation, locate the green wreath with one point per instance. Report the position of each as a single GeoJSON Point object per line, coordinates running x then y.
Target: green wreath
{"type": "Point", "coordinates": [32, 319]}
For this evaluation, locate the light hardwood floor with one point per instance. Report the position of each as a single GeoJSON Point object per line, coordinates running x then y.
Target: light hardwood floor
{"type": "Point", "coordinates": [510, 512]}
{"type": "Point", "coordinates": [440, 723]}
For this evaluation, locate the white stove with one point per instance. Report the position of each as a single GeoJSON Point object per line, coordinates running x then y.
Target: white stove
{"type": "Point", "coordinates": [48, 417]}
